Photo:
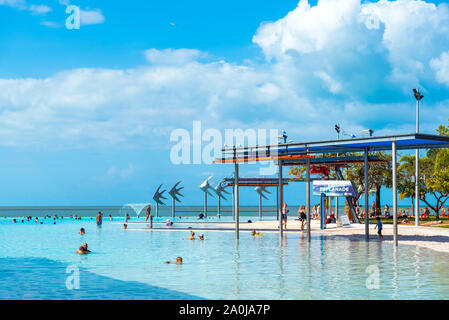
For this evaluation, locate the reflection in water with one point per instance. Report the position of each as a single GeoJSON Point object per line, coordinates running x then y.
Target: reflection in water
{"type": "Point", "coordinates": [417, 268]}
{"type": "Point", "coordinates": [236, 261]}
{"type": "Point", "coordinates": [395, 273]}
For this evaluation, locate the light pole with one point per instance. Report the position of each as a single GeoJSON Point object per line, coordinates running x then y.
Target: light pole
{"type": "Point", "coordinates": [418, 97]}
{"type": "Point", "coordinates": [337, 128]}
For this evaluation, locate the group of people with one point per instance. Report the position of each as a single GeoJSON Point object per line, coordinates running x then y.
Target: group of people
{"type": "Point", "coordinates": [192, 236]}
{"type": "Point", "coordinates": [302, 215]}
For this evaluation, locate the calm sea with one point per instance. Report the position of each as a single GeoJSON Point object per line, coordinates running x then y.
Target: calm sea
{"type": "Point", "coordinates": [164, 211]}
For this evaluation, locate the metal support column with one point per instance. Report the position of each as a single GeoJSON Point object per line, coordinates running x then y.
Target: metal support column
{"type": "Point", "coordinates": [260, 207]}
{"type": "Point", "coordinates": [336, 208]}
{"type": "Point", "coordinates": [219, 207]}
{"type": "Point", "coordinates": [417, 170]}
{"type": "Point", "coordinates": [366, 196]}
{"type": "Point", "coordinates": [233, 203]}
{"type": "Point", "coordinates": [395, 193]}
{"type": "Point", "coordinates": [205, 204]}
{"type": "Point", "coordinates": [277, 203]}
{"type": "Point", "coordinates": [280, 199]}
{"type": "Point", "coordinates": [173, 209]}
{"type": "Point", "coordinates": [309, 213]}
{"type": "Point", "coordinates": [236, 200]}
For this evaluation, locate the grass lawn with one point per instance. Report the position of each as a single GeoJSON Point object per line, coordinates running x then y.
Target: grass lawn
{"type": "Point", "coordinates": [411, 221]}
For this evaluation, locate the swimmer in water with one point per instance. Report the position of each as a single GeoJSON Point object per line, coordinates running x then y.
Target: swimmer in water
{"type": "Point", "coordinates": [254, 233]}
{"type": "Point", "coordinates": [169, 223]}
{"type": "Point", "coordinates": [201, 236]}
{"type": "Point", "coordinates": [14, 220]}
{"type": "Point", "coordinates": [99, 218]}
{"type": "Point", "coordinates": [178, 261]}
{"type": "Point", "coordinates": [148, 212]}
{"type": "Point", "coordinates": [83, 249]}
{"type": "Point", "coordinates": [201, 216]}
{"type": "Point", "coordinates": [192, 235]}
{"type": "Point", "coordinates": [125, 226]}
{"type": "Point", "coordinates": [82, 231]}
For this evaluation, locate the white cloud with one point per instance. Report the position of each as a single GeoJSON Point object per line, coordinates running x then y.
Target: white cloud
{"type": "Point", "coordinates": [334, 86]}
{"type": "Point", "coordinates": [51, 24]}
{"type": "Point", "coordinates": [401, 37]}
{"type": "Point", "coordinates": [91, 16]}
{"type": "Point", "coordinates": [441, 68]}
{"type": "Point", "coordinates": [172, 56]}
{"type": "Point", "coordinates": [41, 9]}
{"type": "Point", "coordinates": [13, 3]}
{"type": "Point", "coordinates": [337, 62]}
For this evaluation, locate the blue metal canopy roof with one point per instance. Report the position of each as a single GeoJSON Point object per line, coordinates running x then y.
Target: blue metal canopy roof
{"type": "Point", "coordinates": [403, 142]}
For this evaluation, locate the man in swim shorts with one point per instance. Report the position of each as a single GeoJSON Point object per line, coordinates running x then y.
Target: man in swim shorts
{"type": "Point", "coordinates": [83, 249]}
{"type": "Point", "coordinates": [99, 218]}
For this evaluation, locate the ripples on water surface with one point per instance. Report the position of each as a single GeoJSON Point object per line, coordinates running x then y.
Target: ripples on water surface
{"type": "Point", "coordinates": [128, 264]}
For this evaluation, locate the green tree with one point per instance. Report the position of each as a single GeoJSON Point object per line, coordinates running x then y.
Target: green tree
{"type": "Point", "coordinates": [379, 174]}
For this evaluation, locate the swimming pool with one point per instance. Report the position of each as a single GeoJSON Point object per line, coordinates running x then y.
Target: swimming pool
{"type": "Point", "coordinates": [129, 264]}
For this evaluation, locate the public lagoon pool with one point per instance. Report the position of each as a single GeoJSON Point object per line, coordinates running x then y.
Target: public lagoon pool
{"type": "Point", "coordinates": [37, 262]}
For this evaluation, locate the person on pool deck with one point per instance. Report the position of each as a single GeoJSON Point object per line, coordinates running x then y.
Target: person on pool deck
{"type": "Point", "coordinates": [127, 217]}
{"type": "Point", "coordinates": [110, 218]}
{"type": "Point", "coordinates": [284, 215]}
{"type": "Point", "coordinates": [201, 216]}
{"type": "Point", "coordinates": [99, 218]}
{"type": "Point", "coordinates": [178, 261]}
{"type": "Point", "coordinates": [148, 211]}
{"type": "Point", "coordinates": [83, 249]}
{"type": "Point", "coordinates": [82, 231]}
{"type": "Point", "coordinates": [192, 235]}
{"type": "Point", "coordinates": [379, 227]}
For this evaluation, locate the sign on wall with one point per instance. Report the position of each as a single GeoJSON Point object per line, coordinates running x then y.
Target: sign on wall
{"type": "Point", "coordinates": [333, 188]}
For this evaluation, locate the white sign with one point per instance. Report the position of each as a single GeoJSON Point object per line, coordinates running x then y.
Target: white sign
{"type": "Point", "coordinates": [344, 220]}
{"type": "Point", "coordinates": [333, 188]}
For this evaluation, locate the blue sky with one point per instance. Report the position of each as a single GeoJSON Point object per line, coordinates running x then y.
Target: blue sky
{"type": "Point", "coordinates": [86, 115]}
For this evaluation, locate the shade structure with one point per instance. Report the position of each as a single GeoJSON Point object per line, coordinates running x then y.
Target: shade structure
{"type": "Point", "coordinates": [303, 153]}
{"type": "Point", "coordinates": [403, 142]}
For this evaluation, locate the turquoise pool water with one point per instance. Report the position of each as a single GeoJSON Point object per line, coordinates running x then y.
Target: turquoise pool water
{"type": "Point", "coordinates": [129, 264]}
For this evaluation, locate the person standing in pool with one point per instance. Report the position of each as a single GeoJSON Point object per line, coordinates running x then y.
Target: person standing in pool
{"type": "Point", "coordinates": [379, 228]}
{"type": "Point", "coordinates": [284, 215]}
{"type": "Point", "coordinates": [99, 219]}
{"type": "Point", "coordinates": [148, 213]}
